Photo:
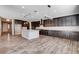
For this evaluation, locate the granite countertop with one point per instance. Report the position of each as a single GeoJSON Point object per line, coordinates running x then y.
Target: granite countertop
{"type": "Point", "coordinates": [60, 28]}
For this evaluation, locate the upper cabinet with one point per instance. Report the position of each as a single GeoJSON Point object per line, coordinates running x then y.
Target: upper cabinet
{"type": "Point", "coordinates": [68, 21]}
{"type": "Point", "coordinates": [77, 20]}
{"type": "Point", "coordinates": [35, 24]}
{"type": "Point", "coordinates": [72, 20]}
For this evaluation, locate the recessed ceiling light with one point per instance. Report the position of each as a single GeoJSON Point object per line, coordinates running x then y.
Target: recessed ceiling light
{"type": "Point", "coordinates": [7, 19]}
{"type": "Point", "coordinates": [23, 7]}
{"type": "Point", "coordinates": [36, 11]}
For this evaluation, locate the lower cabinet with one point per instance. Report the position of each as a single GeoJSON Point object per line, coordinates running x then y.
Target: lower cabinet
{"type": "Point", "coordinates": [61, 34]}
{"type": "Point", "coordinates": [43, 32]}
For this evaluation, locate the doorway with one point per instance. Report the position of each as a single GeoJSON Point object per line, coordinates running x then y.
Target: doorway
{"type": "Point", "coordinates": [6, 27]}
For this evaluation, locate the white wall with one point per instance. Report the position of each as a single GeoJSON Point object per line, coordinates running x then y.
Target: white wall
{"type": "Point", "coordinates": [13, 27]}
{"type": "Point", "coordinates": [18, 29]}
{"type": "Point", "coordinates": [5, 27]}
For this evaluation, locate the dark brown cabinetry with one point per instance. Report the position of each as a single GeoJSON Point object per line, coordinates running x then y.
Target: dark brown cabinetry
{"type": "Point", "coordinates": [43, 32]}
{"type": "Point", "coordinates": [35, 24]}
{"type": "Point", "coordinates": [23, 23]}
{"type": "Point", "coordinates": [72, 20]}
{"type": "Point", "coordinates": [77, 20]}
{"type": "Point", "coordinates": [61, 34]}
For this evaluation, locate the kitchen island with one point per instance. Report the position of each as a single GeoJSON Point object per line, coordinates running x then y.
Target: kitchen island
{"type": "Point", "coordinates": [30, 34]}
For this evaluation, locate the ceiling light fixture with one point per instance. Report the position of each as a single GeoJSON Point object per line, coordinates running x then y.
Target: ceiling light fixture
{"type": "Point", "coordinates": [23, 7]}
{"type": "Point", "coordinates": [48, 6]}
{"type": "Point", "coordinates": [7, 19]}
{"type": "Point", "coordinates": [36, 11]}
{"type": "Point", "coordinates": [29, 14]}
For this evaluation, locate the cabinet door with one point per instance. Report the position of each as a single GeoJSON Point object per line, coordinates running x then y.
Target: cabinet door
{"type": "Point", "coordinates": [77, 20]}
{"type": "Point", "coordinates": [50, 32]}
{"type": "Point", "coordinates": [54, 22]}
{"type": "Point", "coordinates": [59, 21]}
{"type": "Point", "coordinates": [73, 20]}
{"type": "Point", "coordinates": [68, 21]}
{"type": "Point", "coordinates": [64, 21]}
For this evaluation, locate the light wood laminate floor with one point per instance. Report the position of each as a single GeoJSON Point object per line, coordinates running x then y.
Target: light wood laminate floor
{"type": "Point", "coordinates": [43, 45]}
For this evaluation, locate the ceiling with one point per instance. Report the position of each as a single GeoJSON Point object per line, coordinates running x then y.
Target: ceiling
{"type": "Point", "coordinates": [36, 12]}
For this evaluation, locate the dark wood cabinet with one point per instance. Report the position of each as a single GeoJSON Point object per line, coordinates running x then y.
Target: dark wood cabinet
{"type": "Point", "coordinates": [61, 34]}
{"type": "Point", "coordinates": [43, 32]}
{"type": "Point", "coordinates": [72, 20]}
{"type": "Point", "coordinates": [68, 21]}
{"type": "Point", "coordinates": [35, 24]}
{"type": "Point", "coordinates": [77, 20]}
{"type": "Point", "coordinates": [63, 21]}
